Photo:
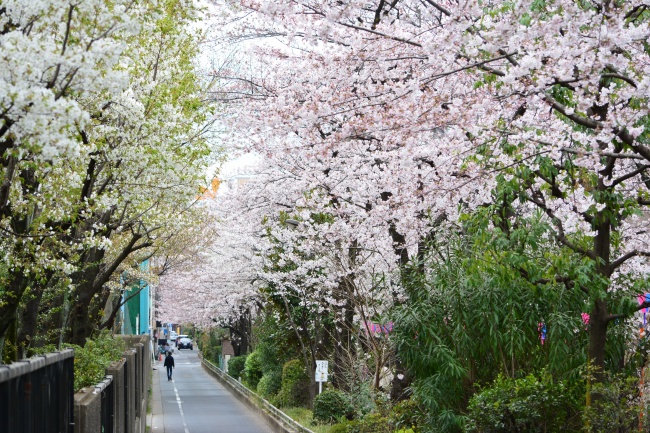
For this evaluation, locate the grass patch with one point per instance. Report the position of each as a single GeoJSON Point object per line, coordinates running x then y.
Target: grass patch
{"type": "Point", "coordinates": [305, 418]}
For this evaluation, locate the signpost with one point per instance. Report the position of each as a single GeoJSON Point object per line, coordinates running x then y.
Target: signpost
{"type": "Point", "coordinates": [321, 374]}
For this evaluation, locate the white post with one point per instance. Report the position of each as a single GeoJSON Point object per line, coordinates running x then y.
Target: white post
{"type": "Point", "coordinates": [320, 387]}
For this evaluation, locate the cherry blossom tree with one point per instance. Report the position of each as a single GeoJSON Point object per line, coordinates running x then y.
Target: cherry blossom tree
{"type": "Point", "coordinates": [394, 116]}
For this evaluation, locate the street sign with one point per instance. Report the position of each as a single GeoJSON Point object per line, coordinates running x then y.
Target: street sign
{"type": "Point", "coordinates": [321, 371]}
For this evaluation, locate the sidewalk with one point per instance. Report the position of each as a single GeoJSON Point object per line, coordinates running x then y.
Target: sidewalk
{"type": "Point", "coordinates": [155, 420]}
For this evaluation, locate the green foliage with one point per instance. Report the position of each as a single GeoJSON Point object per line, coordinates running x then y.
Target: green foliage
{"type": "Point", "coordinates": [236, 366]}
{"type": "Point", "coordinates": [375, 423]}
{"type": "Point", "coordinates": [339, 428]}
{"type": "Point", "coordinates": [90, 361]}
{"type": "Point", "coordinates": [473, 313]}
{"type": "Point", "coordinates": [295, 385]}
{"type": "Point", "coordinates": [407, 414]}
{"type": "Point", "coordinates": [209, 343]}
{"type": "Point", "coordinates": [331, 405]}
{"type": "Point", "coordinates": [252, 370]}
{"type": "Point", "coordinates": [345, 427]}
{"type": "Point", "coordinates": [270, 384]}
{"type": "Point", "coordinates": [357, 379]}
{"type": "Point", "coordinates": [526, 404]}
{"type": "Point", "coordinates": [616, 406]}
{"type": "Point", "coordinates": [275, 347]}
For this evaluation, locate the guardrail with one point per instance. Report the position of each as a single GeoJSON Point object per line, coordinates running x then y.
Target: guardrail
{"type": "Point", "coordinates": [260, 402]}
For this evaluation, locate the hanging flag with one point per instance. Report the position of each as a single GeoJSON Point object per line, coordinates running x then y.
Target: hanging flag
{"type": "Point", "coordinates": [541, 327]}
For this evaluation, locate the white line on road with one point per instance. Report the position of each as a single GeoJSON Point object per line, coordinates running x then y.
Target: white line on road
{"type": "Point", "coordinates": [180, 407]}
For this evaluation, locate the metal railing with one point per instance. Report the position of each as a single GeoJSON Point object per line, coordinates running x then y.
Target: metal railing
{"type": "Point", "coordinates": [261, 403]}
{"type": "Point", "coordinates": [37, 394]}
{"type": "Point", "coordinates": [105, 387]}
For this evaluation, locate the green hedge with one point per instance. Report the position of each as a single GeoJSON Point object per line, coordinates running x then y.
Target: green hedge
{"type": "Point", "coordinates": [236, 366]}
{"type": "Point", "coordinates": [91, 360]}
{"type": "Point", "coordinates": [270, 384]}
{"type": "Point", "coordinates": [526, 404]}
{"type": "Point", "coordinates": [331, 406]}
{"type": "Point", "coordinates": [253, 370]}
{"type": "Point", "coordinates": [295, 385]}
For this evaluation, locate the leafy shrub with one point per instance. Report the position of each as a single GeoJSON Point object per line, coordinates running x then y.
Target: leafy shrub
{"type": "Point", "coordinates": [362, 396]}
{"type": "Point", "coordinates": [345, 427]}
{"type": "Point", "coordinates": [272, 356]}
{"type": "Point", "coordinates": [339, 428]}
{"type": "Point", "coordinates": [91, 360]}
{"type": "Point", "coordinates": [527, 404]}
{"type": "Point", "coordinates": [330, 406]}
{"type": "Point", "coordinates": [295, 385]}
{"type": "Point", "coordinates": [236, 366]}
{"type": "Point", "coordinates": [270, 384]}
{"type": "Point", "coordinates": [617, 407]}
{"type": "Point", "coordinates": [406, 414]}
{"type": "Point", "coordinates": [207, 352]}
{"type": "Point", "coordinates": [253, 370]}
{"type": "Point", "coordinates": [375, 423]}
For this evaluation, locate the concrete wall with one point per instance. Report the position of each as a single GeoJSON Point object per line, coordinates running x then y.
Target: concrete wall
{"type": "Point", "coordinates": [87, 411]}
{"type": "Point", "coordinates": [131, 379]}
{"type": "Point", "coordinates": [117, 370]}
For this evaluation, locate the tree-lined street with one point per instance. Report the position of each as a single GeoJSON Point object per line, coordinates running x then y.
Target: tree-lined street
{"type": "Point", "coordinates": [194, 402]}
{"type": "Point", "coordinates": [449, 202]}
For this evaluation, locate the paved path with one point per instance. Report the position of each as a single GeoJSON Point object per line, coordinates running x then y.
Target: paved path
{"type": "Point", "coordinates": [194, 402]}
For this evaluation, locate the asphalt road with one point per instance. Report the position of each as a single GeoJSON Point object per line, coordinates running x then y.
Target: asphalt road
{"type": "Point", "coordinates": [194, 402]}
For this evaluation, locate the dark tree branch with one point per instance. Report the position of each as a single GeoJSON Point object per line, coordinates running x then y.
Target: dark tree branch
{"type": "Point", "coordinates": [440, 8]}
{"type": "Point", "coordinates": [625, 257]}
{"type": "Point", "coordinates": [405, 41]}
{"type": "Point", "coordinates": [631, 174]}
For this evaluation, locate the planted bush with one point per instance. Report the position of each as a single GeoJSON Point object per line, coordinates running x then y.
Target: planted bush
{"type": "Point", "coordinates": [345, 427]}
{"type": "Point", "coordinates": [375, 423]}
{"type": "Point", "coordinates": [270, 384]}
{"type": "Point", "coordinates": [253, 370]}
{"type": "Point", "coordinates": [236, 366]}
{"type": "Point", "coordinates": [331, 406]}
{"type": "Point", "coordinates": [91, 360]}
{"type": "Point", "coordinates": [407, 415]}
{"type": "Point", "coordinates": [527, 404]}
{"type": "Point", "coordinates": [295, 385]}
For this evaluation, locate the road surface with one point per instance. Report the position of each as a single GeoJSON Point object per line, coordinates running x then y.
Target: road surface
{"type": "Point", "coordinates": [194, 402]}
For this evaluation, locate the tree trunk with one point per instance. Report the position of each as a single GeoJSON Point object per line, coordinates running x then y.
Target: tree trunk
{"type": "Point", "coordinates": [29, 325]}
{"type": "Point", "coordinates": [81, 324]}
{"type": "Point", "coordinates": [598, 319]}
{"type": "Point", "coordinates": [9, 308]}
{"type": "Point", "coordinates": [10, 347]}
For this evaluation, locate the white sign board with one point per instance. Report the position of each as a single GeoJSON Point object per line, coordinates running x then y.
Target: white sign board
{"type": "Point", "coordinates": [321, 371]}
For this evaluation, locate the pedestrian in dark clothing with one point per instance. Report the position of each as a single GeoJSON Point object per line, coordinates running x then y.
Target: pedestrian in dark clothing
{"type": "Point", "coordinates": [169, 363]}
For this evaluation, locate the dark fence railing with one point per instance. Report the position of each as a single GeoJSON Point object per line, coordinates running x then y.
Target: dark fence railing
{"type": "Point", "coordinates": [36, 395]}
{"type": "Point", "coordinates": [108, 407]}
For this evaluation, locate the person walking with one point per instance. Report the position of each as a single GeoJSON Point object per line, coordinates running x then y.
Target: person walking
{"type": "Point", "coordinates": [169, 363]}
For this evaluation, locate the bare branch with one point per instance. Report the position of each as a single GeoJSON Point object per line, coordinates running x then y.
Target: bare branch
{"type": "Point", "coordinates": [406, 41]}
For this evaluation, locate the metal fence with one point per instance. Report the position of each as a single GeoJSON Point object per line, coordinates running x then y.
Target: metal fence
{"type": "Point", "coordinates": [261, 403]}
{"type": "Point", "coordinates": [106, 388]}
{"type": "Point", "coordinates": [37, 394]}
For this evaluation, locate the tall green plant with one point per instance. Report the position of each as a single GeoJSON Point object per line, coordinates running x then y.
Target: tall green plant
{"type": "Point", "coordinates": [473, 314]}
